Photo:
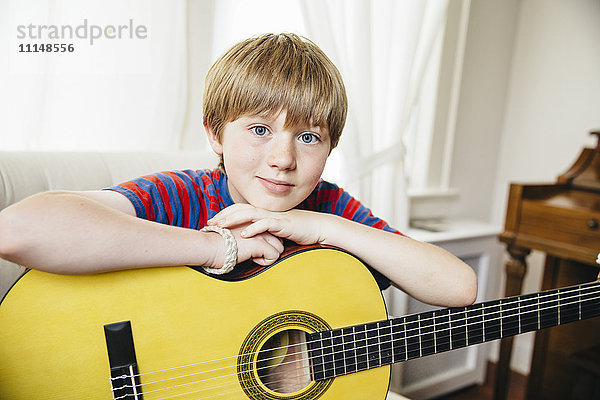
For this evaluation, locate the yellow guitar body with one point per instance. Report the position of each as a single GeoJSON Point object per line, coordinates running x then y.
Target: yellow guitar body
{"type": "Point", "coordinates": [191, 332]}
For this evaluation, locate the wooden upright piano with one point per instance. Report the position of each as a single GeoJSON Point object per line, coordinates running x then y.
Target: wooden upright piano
{"type": "Point", "coordinates": [563, 221]}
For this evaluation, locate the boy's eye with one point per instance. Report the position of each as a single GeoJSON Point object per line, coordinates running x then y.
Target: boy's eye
{"type": "Point", "coordinates": [259, 130]}
{"type": "Point", "coordinates": [308, 138]}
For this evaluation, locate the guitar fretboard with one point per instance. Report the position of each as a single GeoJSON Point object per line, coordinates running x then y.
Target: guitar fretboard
{"type": "Point", "coordinates": [361, 347]}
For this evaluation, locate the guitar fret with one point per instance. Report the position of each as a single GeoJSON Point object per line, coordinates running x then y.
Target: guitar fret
{"type": "Point", "coordinates": [492, 321]}
{"type": "Point", "coordinates": [450, 331]}
{"type": "Point", "coordinates": [528, 318]}
{"type": "Point", "coordinates": [509, 317]}
{"type": "Point", "coordinates": [337, 350]}
{"type": "Point", "coordinates": [344, 354]}
{"type": "Point", "coordinates": [475, 324]}
{"type": "Point", "coordinates": [399, 337]}
{"type": "Point", "coordinates": [328, 354]}
{"type": "Point", "coordinates": [386, 343]}
{"type": "Point", "coordinates": [426, 333]}
{"type": "Point", "coordinates": [538, 311]}
{"type": "Point", "coordinates": [372, 346]}
{"type": "Point", "coordinates": [458, 327]}
{"type": "Point", "coordinates": [361, 347]}
{"type": "Point", "coordinates": [392, 350]}
{"type": "Point", "coordinates": [350, 350]}
{"type": "Point", "coordinates": [569, 305]}
{"type": "Point", "coordinates": [556, 307]}
{"type": "Point", "coordinates": [315, 345]}
{"type": "Point", "coordinates": [590, 306]}
{"type": "Point", "coordinates": [413, 346]}
{"type": "Point", "coordinates": [483, 325]}
{"type": "Point", "coordinates": [466, 328]}
{"type": "Point", "coordinates": [405, 340]}
{"type": "Point", "coordinates": [442, 333]}
{"type": "Point", "coordinates": [579, 303]}
{"type": "Point", "coordinates": [434, 334]}
{"type": "Point", "coordinates": [519, 312]}
{"type": "Point", "coordinates": [549, 313]}
{"type": "Point", "coordinates": [379, 343]}
{"type": "Point", "coordinates": [419, 334]}
{"type": "Point", "coordinates": [500, 314]}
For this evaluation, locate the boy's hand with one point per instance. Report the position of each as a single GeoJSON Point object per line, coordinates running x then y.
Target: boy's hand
{"type": "Point", "coordinates": [300, 226]}
{"type": "Point", "coordinates": [263, 249]}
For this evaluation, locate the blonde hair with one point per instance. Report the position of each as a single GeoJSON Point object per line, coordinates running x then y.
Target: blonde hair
{"type": "Point", "coordinates": [273, 72]}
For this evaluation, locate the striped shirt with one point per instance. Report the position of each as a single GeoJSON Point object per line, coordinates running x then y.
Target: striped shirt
{"type": "Point", "coordinates": [190, 198]}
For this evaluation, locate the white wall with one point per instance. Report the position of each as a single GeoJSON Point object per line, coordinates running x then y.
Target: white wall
{"type": "Point", "coordinates": [530, 94]}
{"type": "Point", "coordinates": [554, 92]}
{"type": "Point", "coordinates": [552, 103]}
{"type": "Point", "coordinates": [485, 77]}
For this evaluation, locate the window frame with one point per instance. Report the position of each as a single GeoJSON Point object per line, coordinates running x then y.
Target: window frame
{"type": "Point", "coordinates": [432, 196]}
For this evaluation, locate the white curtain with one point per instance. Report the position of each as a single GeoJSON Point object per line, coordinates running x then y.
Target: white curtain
{"type": "Point", "coordinates": [382, 48]}
{"type": "Point", "coordinates": [144, 94]}
{"type": "Point", "coordinates": [119, 93]}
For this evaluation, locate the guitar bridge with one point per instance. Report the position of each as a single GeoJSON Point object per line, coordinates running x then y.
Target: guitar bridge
{"type": "Point", "coordinates": [125, 379]}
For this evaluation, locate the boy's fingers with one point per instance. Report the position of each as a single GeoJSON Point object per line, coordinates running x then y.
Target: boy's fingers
{"type": "Point", "coordinates": [269, 253]}
{"type": "Point", "coordinates": [261, 226]}
{"type": "Point", "coordinates": [261, 261]}
{"type": "Point", "coordinates": [264, 249]}
{"type": "Point", "coordinates": [221, 215]}
{"type": "Point", "coordinates": [237, 218]}
{"type": "Point", "coordinates": [276, 242]}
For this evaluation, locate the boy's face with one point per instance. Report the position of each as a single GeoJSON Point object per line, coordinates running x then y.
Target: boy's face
{"type": "Point", "coordinates": [268, 166]}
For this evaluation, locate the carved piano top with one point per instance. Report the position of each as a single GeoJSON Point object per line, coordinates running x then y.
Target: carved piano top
{"type": "Point", "coordinates": [561, 219]}
{"type": "Point", "coordinates": [585, 172]}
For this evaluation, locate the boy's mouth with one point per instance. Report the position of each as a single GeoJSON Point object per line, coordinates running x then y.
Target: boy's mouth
{"type": "Point", "coordinates": [275, 186]}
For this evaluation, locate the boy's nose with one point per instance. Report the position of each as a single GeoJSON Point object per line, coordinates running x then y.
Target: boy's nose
{"type": "Point", "coordinates": [282, 155]}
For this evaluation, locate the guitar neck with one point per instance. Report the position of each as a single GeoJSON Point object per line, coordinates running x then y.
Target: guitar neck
{"type": "Point", "coordinates": [361, 347]}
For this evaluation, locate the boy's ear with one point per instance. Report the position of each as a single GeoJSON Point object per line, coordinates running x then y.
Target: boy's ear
{"type": "Point", "coordinates": [212, 139]}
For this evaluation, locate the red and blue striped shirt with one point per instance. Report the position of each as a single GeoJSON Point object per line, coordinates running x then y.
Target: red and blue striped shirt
{"type": "Point", "coordinates": [189, 198]}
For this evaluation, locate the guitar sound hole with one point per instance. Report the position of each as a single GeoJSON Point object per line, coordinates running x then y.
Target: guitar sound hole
{"type": "Point", "coordinates": [282, 363]}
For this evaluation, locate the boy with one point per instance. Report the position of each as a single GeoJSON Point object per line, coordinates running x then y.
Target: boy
{"type": "Point", "coordinates": [274, 108]}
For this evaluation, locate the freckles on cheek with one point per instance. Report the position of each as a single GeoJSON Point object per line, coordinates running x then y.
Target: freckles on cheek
{"type": "Point", "coordinates": [316, 173]}
{"type": "Point", "coordinates": [244, 155]}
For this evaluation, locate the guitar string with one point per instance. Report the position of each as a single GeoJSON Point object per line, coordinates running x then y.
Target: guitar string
{"type": "Point", "coordinates": [513, 300]}
{"type": "Point", "coordinates": [372, 339]}
{"type": "Point", "coordinates": [395, 325]}
{"type": "Point", "coordinates": [218, 377]}
{"type": "Point", "coordinates": [368, 338]}
{"type": "Point", "coordinates": [235, 384]}
{"type": "Point", "coordinates": [389, 327]}
{"type": "Point", "coordinates": [251, 387]}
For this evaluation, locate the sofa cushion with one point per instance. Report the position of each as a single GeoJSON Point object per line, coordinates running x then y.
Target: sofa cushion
{"type": "Point", "coordinates": [25, 173]}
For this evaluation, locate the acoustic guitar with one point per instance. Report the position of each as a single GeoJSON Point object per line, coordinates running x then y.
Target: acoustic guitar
{"type": "Point", "coordinates": [312, 326]}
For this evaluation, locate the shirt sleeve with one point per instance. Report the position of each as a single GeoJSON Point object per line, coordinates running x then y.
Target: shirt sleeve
{"type": "Point", "coordinates": [170, 197]}
{"type": "Point", "coordinates": [329, 198]}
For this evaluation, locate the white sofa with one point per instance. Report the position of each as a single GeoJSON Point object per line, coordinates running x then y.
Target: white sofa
{"type": "Point", "coordinates": [25, 173]}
